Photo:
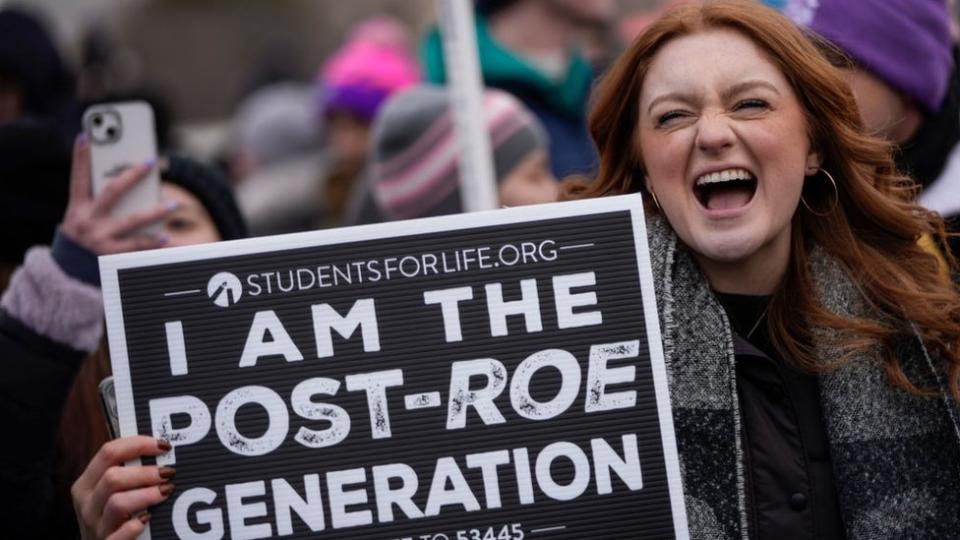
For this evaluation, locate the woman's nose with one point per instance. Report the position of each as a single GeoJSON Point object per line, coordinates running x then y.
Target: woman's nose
{"type": "Point", "coordinates": [714, 133]}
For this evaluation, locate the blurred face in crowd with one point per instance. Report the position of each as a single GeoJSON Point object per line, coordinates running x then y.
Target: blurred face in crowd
{"type": "Point", "coordinates": [530, 182]}
{"type": "Point", "coordinates": [589, 12]}
{"type": "Point", "coordinates": [11, 101]}
{"type": "Point", "coordinates": [190, 223]}
{"type": "Point", "coordinates": [886, 113]}
{"type": "Point", "coordinates": [725, 148]}
{"type": "Point", "coordinates": [348, 138]}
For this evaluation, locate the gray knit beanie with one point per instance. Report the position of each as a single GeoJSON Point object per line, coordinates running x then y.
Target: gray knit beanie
{"type": "Point", "coordinates": [415, 170]}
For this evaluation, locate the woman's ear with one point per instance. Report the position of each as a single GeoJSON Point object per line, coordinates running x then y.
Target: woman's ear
{"type": "Point", "coordinates": [813, 163]}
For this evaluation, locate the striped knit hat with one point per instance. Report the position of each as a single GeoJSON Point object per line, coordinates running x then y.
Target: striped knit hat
{"type": "Point", "coordinates": [415, 169]}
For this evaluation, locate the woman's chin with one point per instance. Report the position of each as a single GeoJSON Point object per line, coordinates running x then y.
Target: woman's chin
{"type": "Point", "coordinates": [729, 248]}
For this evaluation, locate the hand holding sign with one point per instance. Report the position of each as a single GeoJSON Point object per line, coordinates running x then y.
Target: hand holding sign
{"type": "Point", "coordinates": [110, 499]}
{"type": "Point", "coordinates": [491, 372]}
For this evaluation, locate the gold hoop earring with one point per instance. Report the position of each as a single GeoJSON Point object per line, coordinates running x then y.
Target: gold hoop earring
{"type": "Point", "coordinates": [836, 196]}
{"type": "Point", "coordinates": [655, 201]}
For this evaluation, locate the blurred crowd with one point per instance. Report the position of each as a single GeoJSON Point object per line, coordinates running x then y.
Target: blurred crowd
{"type": "Point", "coordinates": [298, 155]}
{"type": "Point", "coordinates": [369, 139]}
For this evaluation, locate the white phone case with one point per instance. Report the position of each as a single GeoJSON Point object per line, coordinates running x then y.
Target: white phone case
{"type": "Point", "coordinates": [122, 135]}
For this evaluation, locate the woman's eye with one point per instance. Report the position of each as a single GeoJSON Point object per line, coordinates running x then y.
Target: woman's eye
{"type": "Point", "coordinates": [179, 224]}
{"type": "Point", "coordinates": [665, 118]}
{"type": "Point", "coordinates": [748, 104]}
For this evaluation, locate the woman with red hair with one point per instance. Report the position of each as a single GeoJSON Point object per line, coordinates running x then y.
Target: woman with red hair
{"type": "Point", "coordinates": [813, 348]}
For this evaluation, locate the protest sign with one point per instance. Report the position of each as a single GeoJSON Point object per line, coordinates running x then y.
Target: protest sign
{"type": "Point", "coordinates": [495, 375]}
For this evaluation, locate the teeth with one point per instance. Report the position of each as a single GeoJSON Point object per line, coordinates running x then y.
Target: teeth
{"type": "Point", "coordinates": [724, 176]}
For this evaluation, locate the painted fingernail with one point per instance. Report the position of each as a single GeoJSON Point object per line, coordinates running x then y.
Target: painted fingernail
{"type": "Point", "coordinates": [82, 138]}
{"type": "Point", "coordinates": [166, 472]}
{"type": "Point", "coordinates": [150, 163]}
{"type": "Point", "coordinates": [172, 205]}
{"type": "Point", "coordinates": [167, 489]}
{"type": "Point", "coordinates": [164, 445]}
{"type": "Point", "coordinates": [144, 517]}
{"type": "Point", "coordinates": [163, 239]}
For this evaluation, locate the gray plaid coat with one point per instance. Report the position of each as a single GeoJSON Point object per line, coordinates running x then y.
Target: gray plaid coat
{"type": "Point", "coordinates": [896, 456]}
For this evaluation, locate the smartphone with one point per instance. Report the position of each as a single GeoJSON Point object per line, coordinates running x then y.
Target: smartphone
{"type": "Point", "coordinates": [108, 400]}
{"type": "Point", "coordinates": [122, 135]}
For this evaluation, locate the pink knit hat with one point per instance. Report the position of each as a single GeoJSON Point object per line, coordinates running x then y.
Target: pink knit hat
{"type": "Point", "coordinates": [374, 62]}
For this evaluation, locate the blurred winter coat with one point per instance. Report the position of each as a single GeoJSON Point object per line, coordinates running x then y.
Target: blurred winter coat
{"type": "Point", "coordinates": [560, 105]}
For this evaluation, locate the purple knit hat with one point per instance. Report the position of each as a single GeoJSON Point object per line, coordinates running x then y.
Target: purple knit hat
{"type": "Point", "coordinates": [907, 43]}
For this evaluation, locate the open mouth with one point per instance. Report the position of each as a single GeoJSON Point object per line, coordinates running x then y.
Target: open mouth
{"type": "Point", "coordinates": [725, 190]}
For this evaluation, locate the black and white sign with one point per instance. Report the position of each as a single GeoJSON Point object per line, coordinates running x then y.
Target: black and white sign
{"type": "Point", "coordinates": [489, 376]}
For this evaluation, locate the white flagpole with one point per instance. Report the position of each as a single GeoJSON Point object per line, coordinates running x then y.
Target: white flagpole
{"type": "Point", "coordinates": [477, 183]}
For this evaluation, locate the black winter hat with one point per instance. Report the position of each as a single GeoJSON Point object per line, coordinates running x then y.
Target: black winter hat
{"type": "Point", "coordinates": [209, 186]}
{"type": "Point", "coordinates": [29, 59]}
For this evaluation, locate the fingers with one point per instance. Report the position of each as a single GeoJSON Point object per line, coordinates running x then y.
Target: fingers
{"type": "Point", "coordinates": [106, 495]}
{"type": "Point", "coordinates": [80, 189]}
{"type": "Point", "coordinates": [122, 505]}
{"type": "Point", "coordinates": [116, 452]}
{"type": "Point", "coordinates": [89, 220]}
{"type": "Point", "coordinates": [143, 218]}
{"type": "Point", "coordinates": [107, 241]}
{"type": "Point", "coordinates": [115, 189]}
{"type": "Point", "coordinates": [105, 235]}
{"type": "Point", "coordinates": [113, 490]}
{"type": "Point", "coordinates": [131, 528]}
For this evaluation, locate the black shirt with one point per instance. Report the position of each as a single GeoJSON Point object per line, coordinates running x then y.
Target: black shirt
{"type": "Point", "coordinates": [787, 470]}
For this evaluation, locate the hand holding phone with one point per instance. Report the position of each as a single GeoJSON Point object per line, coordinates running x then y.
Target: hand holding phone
{"type": "Point", "coordinates": [122, 136]}
{"type": "Point", "coordinates": [118, 218]}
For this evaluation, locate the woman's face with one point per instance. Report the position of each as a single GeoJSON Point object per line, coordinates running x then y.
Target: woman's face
{"type": "Point", "coordinates": [190, 223]}
{"type": "Point", "coordinates": [725, 148]}
{"type": "Point", "coordinates": [530, 182]}
{"type": "Point", "coordinates": [885, 113]}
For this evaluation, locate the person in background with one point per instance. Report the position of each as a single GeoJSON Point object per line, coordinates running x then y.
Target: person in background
{"type": "Point", "coordinates": [206, 210]}
{"type": "Point", "coordinates": [530, 48]}
{"type": "Point", "coordinates": [415, 157]}
{"type": "Point", "coordinates": [373, 63]}
{"type": "Point", "coordinates": [38, 118]}
{"type": "Point", "coordinates": [812, 346]}
{"type": "Point", "coordinates": [278, 159]}
{"type": "Point", "coordinates": [599, 40]}
{"type": "Point", "coordinates": [51, 329]}
{"type": "Point", "coordinates": [34, 82]}
{"type": "Point", "coordinates": [274, 123]}
{"type": "Point", "coordinates": [34, 173]}
{"type": "Point", "coordinates": [905, 78]}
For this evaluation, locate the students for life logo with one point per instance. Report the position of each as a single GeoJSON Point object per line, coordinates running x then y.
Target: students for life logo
{"type": "Point", "coordinates": [224, 289]}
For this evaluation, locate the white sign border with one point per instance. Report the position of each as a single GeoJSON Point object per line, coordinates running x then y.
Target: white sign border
{"type": "Point", "coordinates": [110, 266]}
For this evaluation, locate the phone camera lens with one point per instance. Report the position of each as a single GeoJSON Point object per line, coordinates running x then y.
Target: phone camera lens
{"type": "Point", "coordinates": [111, 132]}
{"type": "Point", "coordinates": [97, 120]}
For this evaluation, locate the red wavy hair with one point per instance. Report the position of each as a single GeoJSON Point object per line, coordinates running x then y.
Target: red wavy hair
{"type": "Point", "coordinates": [871, 230]}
